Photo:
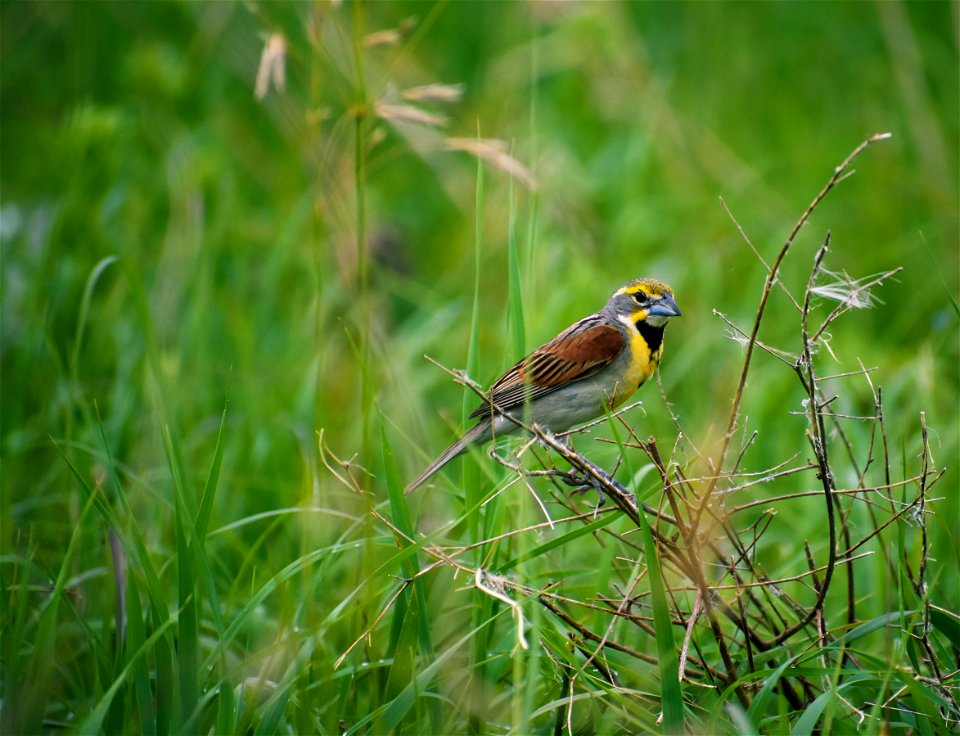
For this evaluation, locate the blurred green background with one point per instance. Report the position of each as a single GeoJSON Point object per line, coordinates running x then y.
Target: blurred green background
{"type": "Point", "coordinates": [131, 132]}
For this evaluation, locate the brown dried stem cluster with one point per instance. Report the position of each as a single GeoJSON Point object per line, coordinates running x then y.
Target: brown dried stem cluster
{"type": "Point", "coordinates": [708, 548]}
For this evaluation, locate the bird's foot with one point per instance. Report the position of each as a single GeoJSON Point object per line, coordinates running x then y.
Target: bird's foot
{"type": "Point", "coordinates": [581, 483]}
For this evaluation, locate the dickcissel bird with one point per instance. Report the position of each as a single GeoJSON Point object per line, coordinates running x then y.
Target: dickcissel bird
{"type": "Point", "coordinates": [591, 367]}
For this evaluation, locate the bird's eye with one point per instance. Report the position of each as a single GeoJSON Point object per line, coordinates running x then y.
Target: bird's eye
{"type": "Point", "coordinates": [641, 297]}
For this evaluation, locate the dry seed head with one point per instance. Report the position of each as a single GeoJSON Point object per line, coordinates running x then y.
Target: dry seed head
{"type": "Point", "coordinates": [409, 114]}
{"type": "Point", "coordinates": [851, 292]}
{"type": "Point", "coordinates": [389, 37]}
{"type": "Point", "coordinates": [494, 152]}
{"type": "Point", "coordinates": [738, 337]}
{"type": "Point", "coordinates": [272, 66]}
{"type": "Point", "coordinates": [446, 93]}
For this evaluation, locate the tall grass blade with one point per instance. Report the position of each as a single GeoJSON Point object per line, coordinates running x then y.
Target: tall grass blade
{"type": "Point", "coordinates": [947, 623]}
{"type": "Point", "coordinates": [559, 541]}
{"type": "Point", "coordinates": [811, 714]}
{"type": "Point", "coordinates": [210, 487]}
{"type": "Point", "coordinates": [136, 638]}
{"type": "Point", "coordinates": [514, 287]}
{"type": "Point", "coordinates": [471, 476]}
{"type": "Point", "coordinates": [43, 656]}
{"type": "Point", "coordinates": [411, 571]}
{"type": "Point", "coordinates": [388, 716]}
{"type": "Point", "coordinates": [83, 316]}
{"type": "Point", "coordinates": [92, 723]}
{"type": "Point", "coordinates": [188, 634]}
{"type": "Point", "coordinates": [276, 705]}
{"type": "Point", "coordinates": [241, 619]}
{"type": "Point", "coordinates": [670, 694]}
{"type": "Point", "coordinates": [140, 561]}
{"type": "Point", "coordinates": [761, 702]}
{"type": "Point", "coordinates": [15, 642]}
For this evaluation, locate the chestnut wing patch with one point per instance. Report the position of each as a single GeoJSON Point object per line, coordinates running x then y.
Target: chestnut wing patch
{"type": "Point", "coordinates": [577, 353]}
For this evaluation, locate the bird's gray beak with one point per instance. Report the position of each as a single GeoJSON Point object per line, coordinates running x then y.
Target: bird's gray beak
{"type": "Point", "coordinates": [665, 307]}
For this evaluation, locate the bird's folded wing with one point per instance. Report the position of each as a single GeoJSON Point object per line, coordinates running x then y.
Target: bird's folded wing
{"type": "Point", "coordinates": [576, 353]}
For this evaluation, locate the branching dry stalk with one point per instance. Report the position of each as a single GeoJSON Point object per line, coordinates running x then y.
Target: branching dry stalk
{"type": "Point", "coordinates": [711, 548]}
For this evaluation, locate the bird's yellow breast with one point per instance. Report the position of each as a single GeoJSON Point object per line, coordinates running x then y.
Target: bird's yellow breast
{"type": "Point", "coordinates": [641, 364]}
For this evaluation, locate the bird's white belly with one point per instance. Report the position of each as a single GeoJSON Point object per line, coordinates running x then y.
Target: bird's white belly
{"type": "Point", "coordinates": [561, 409]}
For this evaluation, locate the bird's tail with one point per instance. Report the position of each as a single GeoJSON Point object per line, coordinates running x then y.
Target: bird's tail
{"type": "Point", "coordinates": [457, 448]}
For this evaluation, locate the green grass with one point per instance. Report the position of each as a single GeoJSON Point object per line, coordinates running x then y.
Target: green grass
{"type": "Point", "coordinates": [215, 312]}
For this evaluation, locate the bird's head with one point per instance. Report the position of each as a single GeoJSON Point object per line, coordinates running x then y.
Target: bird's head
{"type": "Point", "coordinates": [644, 300]}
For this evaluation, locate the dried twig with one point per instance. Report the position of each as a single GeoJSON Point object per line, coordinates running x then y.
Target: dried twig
{"type": "Point", "coordinates": [772, 276]}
